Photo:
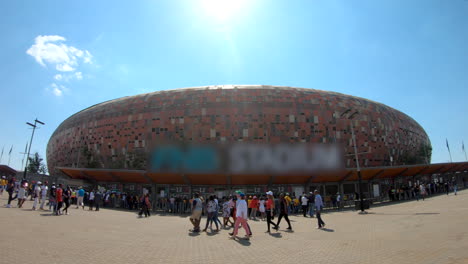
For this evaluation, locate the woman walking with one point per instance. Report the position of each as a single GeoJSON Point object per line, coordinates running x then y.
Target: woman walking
{"type": "Point", "coordinates": [211, 207]}
{"type": "Point", "coordinates": [261, 207]}
{"type": "Point", "coordinates": [226, 212]}
{"type": "Point", "coordinates": [67, 194]}
{"type": "Point", "coordinates": [21, 195]}
{"type": "Point", "coordinates": [241, 218]}
{"type": "Point", "coordinates": [270, 207]}
{"type": "Point", "coordinates": [283, 212]}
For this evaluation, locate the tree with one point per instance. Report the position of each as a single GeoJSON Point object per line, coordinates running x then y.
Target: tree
{"type": "Point", "coordinates": [36, 164]}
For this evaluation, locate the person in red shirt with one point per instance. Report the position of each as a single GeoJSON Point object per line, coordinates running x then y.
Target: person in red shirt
{"type": "Point", "coordinates": [254, 206]}
{"type": "Point", "coordinates": [270, 207]}
{"type": "Point", "coordinates": [59, 198]}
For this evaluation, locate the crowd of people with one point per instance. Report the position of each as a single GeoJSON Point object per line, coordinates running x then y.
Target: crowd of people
{"type": "Point", "coordinates": [235, 210]}
{"type": "Point", "coordinates": [59, 198]}
{"type": "Point", "coordinates": [238, 209]}
{"type": "Point", "coordinates": [421, 191]}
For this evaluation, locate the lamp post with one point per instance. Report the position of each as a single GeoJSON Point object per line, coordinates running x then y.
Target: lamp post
{"type": "Point", "coordinates": [358, 168]}
{"type": "Point", "coordinates": [30, 143]}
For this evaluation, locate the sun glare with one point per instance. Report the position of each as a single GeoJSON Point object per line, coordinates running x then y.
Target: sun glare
{"type": "Point", "coordinates": [223, 10]}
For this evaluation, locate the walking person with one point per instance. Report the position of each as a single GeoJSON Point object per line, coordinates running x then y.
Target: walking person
{"type": "Point", "coordinates": [59, 198]}
{"type": "Point", "coordinates": [304, 203]}
{"type": "Point", "coordinates": [226, 213]}
{"type": "Point", "coordinates": [261, 208]}
{"type": "Point", "coordinates": [22, 194]}
{"type": "Point", "coordinates": [79, 201]}
{"type": "Point", "coordinates": [210, 211]}
{"type": "Point", "coordinates": [98, 199]}
{"type": "Point", "coordinates": [318, 209]}
{"type": "Point", "coordinates": [283, 212]}
{"type": "Point", "coordinates": [422, 190]}
{"type": "Point", "coordinates": [216, 213]}
{"type": "Point", "coordinates": [10, 189]}
{"type": "Point", "coordinates": [254, 206]}
{"type": "Point", "coordinates": [197, 208]}
{"type": "Point", "coordinates": [3, 184]}
{"type": "Point", "coordinates": [145, 206]}
{"type": "Point", "coordinates": [311, 204]}
{"type": "Point", "coordinates": [67, 194]}
{"type": "Point", "coordinates": [455, 188]}
{"type": "Point", "coordinates": [91, 200]}
{"type": "Point", "coordinates": [44, 189]}
{"type": "Point", "coordinates": [52, 200]}
{"type": "Point", "coordinates": [37, 195]}
{"type": "Point", "coordinates": [241, 218]}
{"type": "Point", "coordinates": [270, 208]}
{"type": "Point", "coordinates": [338, 201]}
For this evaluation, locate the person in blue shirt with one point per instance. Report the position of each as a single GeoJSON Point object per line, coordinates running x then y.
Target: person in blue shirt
{"type": "Point", "coordinates": [79, 201]}
{"type": "Point", "coordinates": [318, 209]}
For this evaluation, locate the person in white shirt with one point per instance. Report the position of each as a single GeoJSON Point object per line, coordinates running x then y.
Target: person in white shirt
{"type": "Point", "coordinates": [338, 200]}
{"type": "Point", "coordinates": [37, 194]}
{"type": "Point", "coordinates": [91, 200]}
{"type": "Point", "coordinates": [241, 217]}
{"type": "Point", "coordinates": [304, 203]}
{"type": "Point", "coordinates": [318, 208]}
{"type": "Point", "coordinates": [44, 189]}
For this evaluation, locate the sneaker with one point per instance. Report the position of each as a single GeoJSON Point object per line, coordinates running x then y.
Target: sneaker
{"type": "Point", "coordinates": [319, 227]}
{"type": "Point", "coordinates": [231, 234]}
{"type": "Point", "coordinates": [289, 228]}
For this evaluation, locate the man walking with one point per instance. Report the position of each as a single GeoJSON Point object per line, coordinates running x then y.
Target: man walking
{"type": "Point", "coordinates": [79, 202]}
{"type": "Point", "coordinates": [44, 189]}
{"type": "Point", "coordinates": [318, 209]}
{"type": "Point", "coordinates": [311, 202]}
{"type": "Point", "coordinates": [304, 202]}
{"type": "Point", "coordinates": [37, 195]}
{"type": "Point", "coordinates": [338, 201]}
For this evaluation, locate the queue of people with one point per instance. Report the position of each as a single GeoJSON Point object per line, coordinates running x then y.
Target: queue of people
{"type": "Point", "coordinates": [238, 209]}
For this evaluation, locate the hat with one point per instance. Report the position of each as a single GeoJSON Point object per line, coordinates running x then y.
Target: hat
{"type": "Point", "coordinates": [241, 194]}
{"type": "Point", "coordinates": [39, 182]}
{"type": "Point", "coordinates": [269, 193]}
{"type": "Point", "coordinates": [255, 197]}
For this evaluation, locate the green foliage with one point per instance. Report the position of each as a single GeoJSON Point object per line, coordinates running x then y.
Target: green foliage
{"type": "Point", "coordinates": [422, 156]}
{"type": "Point", "coordinates": [36, 164]}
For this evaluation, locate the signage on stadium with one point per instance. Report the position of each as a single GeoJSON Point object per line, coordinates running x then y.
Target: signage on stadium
{"type": "Point", "coordinates": [245, 158]}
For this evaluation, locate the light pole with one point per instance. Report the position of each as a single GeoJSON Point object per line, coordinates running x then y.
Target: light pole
{"type": "Point", "coordinates": [358, 168]}
{"type": "Point", "coordinates": [30, 143]}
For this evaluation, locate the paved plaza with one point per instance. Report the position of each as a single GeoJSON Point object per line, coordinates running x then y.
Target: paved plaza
{"type": "Point", "coordinates": [430, 231]}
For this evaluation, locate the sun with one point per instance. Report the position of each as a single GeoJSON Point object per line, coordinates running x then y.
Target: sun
{"type": "Point", "coordinates": [223, 10]}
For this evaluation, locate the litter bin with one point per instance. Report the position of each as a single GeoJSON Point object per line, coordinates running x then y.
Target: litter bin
{"type": "Point", "coordinates": [365, 202]}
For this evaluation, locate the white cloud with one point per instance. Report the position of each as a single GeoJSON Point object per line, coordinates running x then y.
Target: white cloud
{"type": "Point", "coordinates": [57, 90]}
{"type": "Point", "coordinates": [58, 77]}
{"type": "Point", "coordinates": [78, 75]}
{"type": "Point", "coordinates": [51, 50]}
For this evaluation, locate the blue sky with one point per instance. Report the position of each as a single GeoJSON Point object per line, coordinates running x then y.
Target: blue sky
{"type": "Point", "coordinates": [59, 57]}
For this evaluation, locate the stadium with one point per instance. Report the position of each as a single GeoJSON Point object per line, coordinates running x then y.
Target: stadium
{"type": "Point", "coordinates": [111, 143]}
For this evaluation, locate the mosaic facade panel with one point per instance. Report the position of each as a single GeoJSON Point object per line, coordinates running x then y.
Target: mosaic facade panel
{"type": "Point", "coordinates": [118, 134]}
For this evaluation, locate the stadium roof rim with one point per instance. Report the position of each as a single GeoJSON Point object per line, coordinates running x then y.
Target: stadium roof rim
{"type": "Point", "coordinates": [346, 175]}
{"type": "Point", "coordinates": [235, 86]}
